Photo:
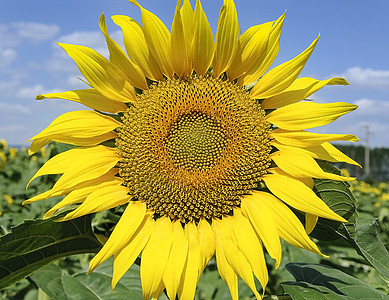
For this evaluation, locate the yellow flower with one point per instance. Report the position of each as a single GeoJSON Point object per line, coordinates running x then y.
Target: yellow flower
{"type": "Point", "coordinates": [43, 152]}
{"type": "Point", "coordinates": [382, 186]}
{"type": "Point", "coordinates": [3, 144]}
{"type": "Point", "coordinates": [8, 198]}
{"type": "Point", "coordinates": [3, 159]}
{"type": "Point", "coordinates": [384, 197]}
{"type": "Point", "coordinates": [205, 164]}
{"type": "Point", "coordinates": [13, 152]}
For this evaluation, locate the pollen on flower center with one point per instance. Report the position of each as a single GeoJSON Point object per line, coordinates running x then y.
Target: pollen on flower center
{"type": "Point", "coordinates": [195, 141]}
{"type": "Point", "coordinates": [190, 148]}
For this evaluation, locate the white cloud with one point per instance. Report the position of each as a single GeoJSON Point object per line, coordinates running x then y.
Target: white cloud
{"type": "Point", "coordinates": [7, 56]}
{"type": "Point", "coordinates": [35, 32]}
{"type": "Point", "coordinates": [92, 39]}
{"type": "Point", "coordinates": [8, 88]}
{"type": "Point", "coordinates": [30, 92]}
{"type": "Point", "coordinates": [61, 62]}
{"type": "Point", "coordinates": [8, 108]}
{"type": "Point", "coordinates": [372, 113]}
{"type": "Point", "coordinates": [8, 38]}
{"type": "Point", "coordinates": [15, 33]}
{"type": "Point", "coordinates": [367, 78]}
{"type": "Point", "coordinates": [75, 82]}
{"type": "Point", "coordinates": [372, 108]}
{"type": "Point", "coordinates": [15, 74]}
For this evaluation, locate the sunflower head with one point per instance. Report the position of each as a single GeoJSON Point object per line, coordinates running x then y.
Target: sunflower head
{"type": "Point", "coordinates": [191, 148]}
{"type": "Point", "coordinates": [203, 145]}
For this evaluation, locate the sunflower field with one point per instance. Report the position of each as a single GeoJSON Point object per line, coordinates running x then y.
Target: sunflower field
{"type": "Point", "coordinates": [47, 265]}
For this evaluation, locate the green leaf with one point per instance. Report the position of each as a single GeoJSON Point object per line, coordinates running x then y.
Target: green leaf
{"type": "Point", "coordinates": [323, 282]}
{"type": "Point", "coordinates": [33, 244]}
{"type": "Point", "coordinates": [370, 246]}
{"type": "Point", "coordinates": [49, 279]}
{"type": "Point", "coordinates": [212, 287]}
{"type": "Point", "coordinates": [361, 233]}
{"type": "Point", "coordinates": [58, 284]}
{"type": "Point", "coordinates": [338, 197]}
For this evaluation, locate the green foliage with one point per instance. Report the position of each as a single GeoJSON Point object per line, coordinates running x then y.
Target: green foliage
{"type": "Point", "coordinates": [370, 246]}
{"type": "Point", "coordinates": [323, 282]}
{"type": "Point", "coordinates": [338, 197]}
{"type": "Point", "coordinates": [34, 244]}
{"type": "Point", "coordinates": [379, 162]}
{"type": "Point", "coordinates": [58, 284]}
{"type": "Point", "coordinates": [210, 286]}
{"type": "Point", "coordinates": [358, 261]}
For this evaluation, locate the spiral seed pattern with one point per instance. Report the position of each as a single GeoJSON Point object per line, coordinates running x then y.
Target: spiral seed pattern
{"type": "Point", "coordinates": [190, 148]}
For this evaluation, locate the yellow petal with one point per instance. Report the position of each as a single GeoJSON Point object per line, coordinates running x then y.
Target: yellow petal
{"type": "Point", "coordinates": [74, 197]}
{"type": "Point", "coordinates": [251, 247]}
{"type": "Point", "coordinates": [177, 44]}
{"type": "Point", "coordinates": [101, 199]}
{"type": "Point", "coordinates": [302, 138]}
{"type": "Point", "coordinates": [191, 272]}
{"type": "Point", "coordinates": [279, 78]}
{"type": "Point", "coordinates": [310, 222]}
{"type": "Point", "coordinates": [308, 181]}
{"type": "Point", "coordinates": [44, 195]}
{"type": "Point", "coordinates": [297, 163]}
{"type": "Point", "coordinates": [137, 48]}
{"type": "Point", "coordinates": [87, 163]}
{"type": "Point", "coordinates": [125, 229]}
{"type": "Point", "coordinates": [124, 259]}
{"type": "Point", "coordinates": [251, 48]}
{"type": "Point", "coordinates": [305, 115]}
{"type": "Point", "coordinates": [157, 37]}
{"type": "Point", "coordinates": [296, 194]}
{"type": "Point", "coordinates": [78, 196]}
{"type": "Point", "coordinates": [328, 152]}
{"type": "Point", "coordinates": [102, 75]}
{"type": "Point", "coordinates": [108, 177]}
{"type": "Point", "coordinates": [90, 98]}
{"type": "Point", "coordinates": [266, 60]}
{"type": "Point", "coordinates": [132, 72]}
{"type": "Point", "coordinates": [78, 165]}
{"type": "Point", "coordinates": [256, 210]}
{"type": "Point", "coordinates": [82, 128]}
{"type": "Point", "coordinates": [300, 89]}
{"type": "Point", "coordinates": [155, 256]}
{"type": "Point", "coordinates": [227, 35]}
{"type": "Point", "coordinates": [235, 257]}
{"type": "Point", "coordinates": [188, 24]}
{"type": "Point", "coordinates": [78, 193]}
{"type": "Point", "coordinates": [37, 145]}
{"type": "Point", "coordinates": [203, 44]}
{"type": "Point", "coordinates": [206, 242]}
{"type": "Point", "coordinates": [325, 151]}
{"type": "Point", "coordinates": [91, 141]}
{"type": "Point", "coordinates": [226, 272]}
{"type": "Point", "coordinates": [176, 261]}
{"type": "Point", "coordinates": [289, 226]}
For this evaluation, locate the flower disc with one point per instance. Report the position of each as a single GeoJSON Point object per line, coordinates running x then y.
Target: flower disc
{"type": "Point", "coordinates": [190, 148]}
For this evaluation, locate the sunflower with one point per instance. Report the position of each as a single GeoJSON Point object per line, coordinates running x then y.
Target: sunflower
{"type": "Point", "coordinates": [205, 148]}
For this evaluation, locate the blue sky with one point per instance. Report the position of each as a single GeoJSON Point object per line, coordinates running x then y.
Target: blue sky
{"type": "Point", "coordinates": [354, 44]}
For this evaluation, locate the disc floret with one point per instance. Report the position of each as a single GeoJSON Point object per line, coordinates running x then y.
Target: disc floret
{"type": "Point", "coordinates": [190, 148]}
